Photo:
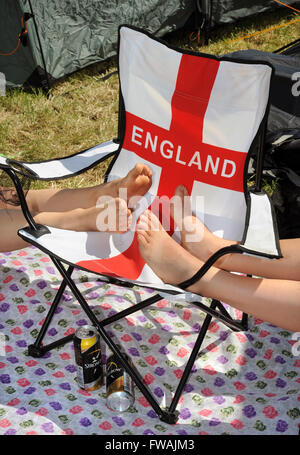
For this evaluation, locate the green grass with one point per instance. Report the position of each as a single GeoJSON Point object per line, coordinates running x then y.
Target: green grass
{"type": "Point", "coordinates": [82, 110]}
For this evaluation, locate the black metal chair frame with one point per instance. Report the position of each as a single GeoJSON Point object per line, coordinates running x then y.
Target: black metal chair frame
{"type": "Point", "coordinates": [215, 310]}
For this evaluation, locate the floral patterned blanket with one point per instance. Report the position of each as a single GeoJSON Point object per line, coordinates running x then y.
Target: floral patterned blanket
{"type": "Point", "coordinates": [242, 382]}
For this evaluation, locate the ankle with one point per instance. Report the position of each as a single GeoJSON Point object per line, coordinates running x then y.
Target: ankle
{"type": "Point", "coordinates": [213, 244]}
{"type": "Point", "coordinates": [76, 220]}
{"type": "Point", "coordinates": [225, 261]}
{"type": "Point", "coordinates": [206, 284]}
{"type": "Point", "coordinates": [108, 189]}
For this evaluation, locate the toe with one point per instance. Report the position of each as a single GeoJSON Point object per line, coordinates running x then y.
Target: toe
{"type": "Point", "coordinates": [138, 169]}
{"type": "Point", "coordinates": [147, 171]}
{"type": "Point", "coordinates": [154, 221]}
{"type": "Point", "coordinates": [180, 205]}
{"type": "Point", "coordinates": [143, 223]}
{"type": "Point", "coordinates": [143, 239]}
{"type": "Point", "coordinates": [181, 191]}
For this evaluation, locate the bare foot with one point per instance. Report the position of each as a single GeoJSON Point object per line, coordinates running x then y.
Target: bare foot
{"type": "Point", "coordinates": [172, 263]}
{"type": "Point", "coordinates": [137, 182]}
{"type": "Point", "coordinates": [112, 216]}
{"type": "Point", "coordinates": [130, 188]}
{"type": "Point", "coordinates": [195, 237]}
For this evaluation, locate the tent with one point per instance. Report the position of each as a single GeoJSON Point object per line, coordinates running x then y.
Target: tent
{"type": "Point", "coordinates": [227, 11]}
{"type": "Point", "coordinates": [42, 41]}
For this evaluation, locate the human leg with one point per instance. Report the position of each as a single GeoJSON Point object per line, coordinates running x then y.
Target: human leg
{"type": "Point", "coordinates": [204, 244]}
{"type": "Point", "coordinates": [112, 216]}
{"type": "Point", "coordinates": [136, 183]}
{"type": "Point", "coordinates": [83, 209]}
{"type": "Point", "coordinates": [272, 300]}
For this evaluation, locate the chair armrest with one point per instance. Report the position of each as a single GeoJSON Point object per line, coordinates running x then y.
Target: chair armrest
{"type": "Point", "coordinates": [23, 203]}
{"type": "Point", "coordinates": [68, 166]}
{"type": "Point", "coordinates": [261, 234]}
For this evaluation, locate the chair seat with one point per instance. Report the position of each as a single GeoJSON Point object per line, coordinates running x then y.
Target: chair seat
{"type": "Point", "coordinates": [101, 253]}
{"type": "Point", "coordinates": [194, 119]}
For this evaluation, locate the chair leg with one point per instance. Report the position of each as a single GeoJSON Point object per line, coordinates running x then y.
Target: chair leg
{"type": "Point", "coordinates": [37, 349]}
{"type": "Point", "coordinates": [239, 324]}
{"type": "Point", "coordinates": [245, 321]}
{"type": "Point", "coordinates": [169, 415]}
{"type": "Point", "coordinates": [191, 360]}
{"type": "Point", "coordinates": [221, 315]}
{"type": "Point", "coordinates": [107, 339]}
{"type": "Point", "coordinates": [131, 310]}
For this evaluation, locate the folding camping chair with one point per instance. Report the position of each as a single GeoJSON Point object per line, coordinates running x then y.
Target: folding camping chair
{"type": "Point", "coordinates": [193, 119]}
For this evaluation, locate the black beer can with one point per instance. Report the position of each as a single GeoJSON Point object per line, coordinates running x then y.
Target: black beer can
{"type": "Point", "coordinates": [119, 385]}
{"type": "Point", "coordinates": [88, 358]}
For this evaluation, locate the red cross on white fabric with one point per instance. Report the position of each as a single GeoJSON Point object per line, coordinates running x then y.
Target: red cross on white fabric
{"type": "Point", "coordinates": [179, 151]}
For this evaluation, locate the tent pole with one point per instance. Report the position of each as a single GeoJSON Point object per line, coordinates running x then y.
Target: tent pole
{"type": "Point", "coordinates": [40, 45]}
{"type": "Point", "coordinates": [278, 51]}
{"type": "Point", "coordinates": [204, 7]}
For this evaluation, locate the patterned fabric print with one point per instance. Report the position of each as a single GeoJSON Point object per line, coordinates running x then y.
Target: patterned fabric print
{"type": "Point", "coordinates": [242, 383]}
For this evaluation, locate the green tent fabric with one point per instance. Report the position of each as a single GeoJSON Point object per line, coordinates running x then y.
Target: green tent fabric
{"type": "Point", "coordinates": [228, 11]}
{"type": "Point", "coordinates": [67, 35]}
{"type": "Point", "coordinates": [18, 66]}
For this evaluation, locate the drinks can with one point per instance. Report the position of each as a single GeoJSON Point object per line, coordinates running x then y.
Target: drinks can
{"type": "Point", "coordinates": [119, 385]}
{"type": "Point", "coordinates": [88, 358]}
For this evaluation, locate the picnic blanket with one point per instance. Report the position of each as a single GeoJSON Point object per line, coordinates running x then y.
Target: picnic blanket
{"type": "Point", "coordinates": [243, 383]}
